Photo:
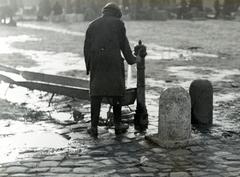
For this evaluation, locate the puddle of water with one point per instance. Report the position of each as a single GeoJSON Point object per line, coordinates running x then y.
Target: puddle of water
{"type": "Point", "coordinates": [15, 77]}
{"type": "Point", "coordinates": [22, 95]}
{"type": "Point", "coordinates": [48, 62]}
{"type": "Point", "coordinates": [49, 27]}
{"type": "Point", "coordinates": [53, 63]}
{"type": "Point", "coordinates": [12, 146]}
{"type": "Point", "coordinates": [218, 97]}
{"type": "Point", "coordinates": [11, 127]}
{"type": "Point", "coordinates": [62, 117]}
{"type": "Point", "coordinates": [34, 140]}
{"type": "Point", "coordinates": [5, 42]}
{"type": "Point", "coordinates": [189, 72]}
{"type": "Point", "coordinates": [156, 52]}
{"type": "Point", "coordinates": [18, 136]}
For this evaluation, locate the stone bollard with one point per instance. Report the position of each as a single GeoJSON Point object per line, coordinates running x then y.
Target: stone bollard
{"type": "Point", "coordinates": [201, 93]}
{"type": "Point", "coordinates": [174, 126]}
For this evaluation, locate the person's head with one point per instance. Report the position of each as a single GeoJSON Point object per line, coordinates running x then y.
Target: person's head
{"type": "Point", "coordinates": [112, 9]}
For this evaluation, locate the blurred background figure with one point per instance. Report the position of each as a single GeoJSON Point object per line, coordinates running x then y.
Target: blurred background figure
{"type": "Point", "coordinates": [57, 12]}
{"type": "Point", "coordinates": [7, 12]}
{"type": "Point", "coordinates": [44, 9]}
{"type": "Point", "coordinates": [183, 9]}
{"type": "Point", "coordinates": [217, 8]}
{"type": "Point", "coordinates": [57, 9]}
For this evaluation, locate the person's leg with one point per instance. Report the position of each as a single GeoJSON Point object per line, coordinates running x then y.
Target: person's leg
{"type": "Point", "coordinates": [95, 112]}
{"type": "Point", "coordinates": [117, 110]}
{"type": "Point", "coordinates": [117, 113]}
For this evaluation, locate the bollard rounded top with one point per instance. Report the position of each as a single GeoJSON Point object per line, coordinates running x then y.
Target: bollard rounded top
{"type": "Point", "coordinates": [174, 97]}
{"type": "Point", "coordinates": [202, 83]}
{"type": "Point", "coordinates": [174, 92]}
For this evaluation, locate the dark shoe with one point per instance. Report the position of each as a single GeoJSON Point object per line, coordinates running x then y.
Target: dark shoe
{"type": "Point", "coordinates": [93, 132]}
{"type": "Point", "coordinates": [120, 129]}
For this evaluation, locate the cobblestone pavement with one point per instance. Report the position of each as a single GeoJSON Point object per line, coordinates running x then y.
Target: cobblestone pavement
{"type": "Point", "coordinates": [129, 155]}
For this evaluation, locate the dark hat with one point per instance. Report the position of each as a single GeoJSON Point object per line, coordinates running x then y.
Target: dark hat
{"type": "Point", "coordinates": [112, 9]}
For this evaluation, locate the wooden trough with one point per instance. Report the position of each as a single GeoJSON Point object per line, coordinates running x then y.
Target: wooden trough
{"type": "Point", "coordinates": [68, 86]}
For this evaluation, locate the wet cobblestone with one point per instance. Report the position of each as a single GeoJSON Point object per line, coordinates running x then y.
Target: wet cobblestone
{"type": "Point", "coordinates": [115, 160]}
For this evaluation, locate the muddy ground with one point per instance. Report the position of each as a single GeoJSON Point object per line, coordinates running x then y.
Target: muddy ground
{"type": "Point", "coordinates": [58, 49]}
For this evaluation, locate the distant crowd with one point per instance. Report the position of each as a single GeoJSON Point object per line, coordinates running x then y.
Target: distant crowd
{"type": "Point", "coordinates": [189, 9]}
{"type": "Point", "coordinates": [186, 9]}
{"type": "Point", "coordinates": [45, 10]}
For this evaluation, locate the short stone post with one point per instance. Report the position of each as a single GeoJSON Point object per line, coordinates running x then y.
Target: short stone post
{"type": "Point", "coordinates": [201, 93]}
{"type": "Point", "coordinates": [174, 126]}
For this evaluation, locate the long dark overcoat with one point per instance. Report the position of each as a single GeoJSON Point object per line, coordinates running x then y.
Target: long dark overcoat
{"type": "Point", "coordinates": [105, 39]}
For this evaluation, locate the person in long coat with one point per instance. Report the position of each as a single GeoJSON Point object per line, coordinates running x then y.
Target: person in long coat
{"type": "Point", "coordinates": [104, 42]}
